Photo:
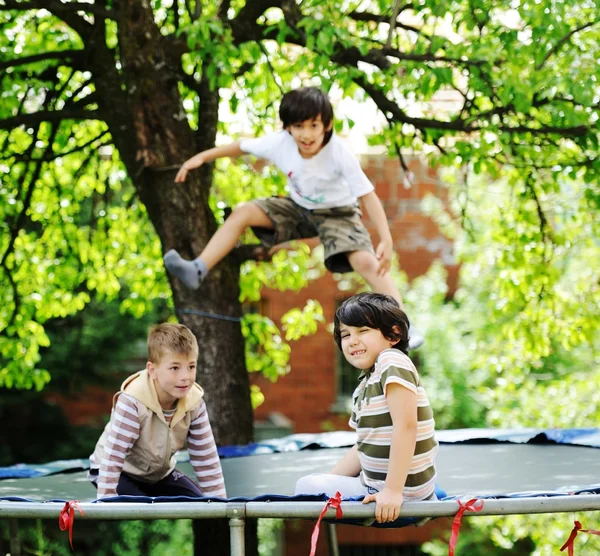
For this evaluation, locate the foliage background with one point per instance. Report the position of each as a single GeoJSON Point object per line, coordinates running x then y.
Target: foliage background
{"type": "Point", "coordinates": [79, 257]}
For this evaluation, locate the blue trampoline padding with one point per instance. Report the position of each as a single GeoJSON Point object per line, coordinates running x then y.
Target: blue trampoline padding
{"type": "Point", "coordinates": [579, 437]}
{"type": "Point", "coordinates": [30, 471]}
{"type": "Point", "coordinates": [589, 437]}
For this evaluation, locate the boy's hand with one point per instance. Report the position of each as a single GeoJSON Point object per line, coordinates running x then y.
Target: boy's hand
{"type": "Point", "coordinates": [388, 503]}
{"type": "Point", "coordinates": [191, 164]}
{"type": "Point", "coordinates": [384, 256]}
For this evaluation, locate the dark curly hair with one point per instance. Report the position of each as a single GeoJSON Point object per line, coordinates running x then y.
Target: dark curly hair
{"type": "Point", "coordinates": [304, 104]}
{"type": "Point", "coordinates": [374, 310]}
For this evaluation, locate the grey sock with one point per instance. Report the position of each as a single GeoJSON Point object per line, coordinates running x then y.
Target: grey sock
{"type": "Point", "coordinates": [191, 273]}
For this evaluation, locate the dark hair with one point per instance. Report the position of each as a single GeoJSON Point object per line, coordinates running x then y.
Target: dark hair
{"type": "Point", "coordinates": [374, 310]}
{"type": "Point", "coordinates": [304, 104]}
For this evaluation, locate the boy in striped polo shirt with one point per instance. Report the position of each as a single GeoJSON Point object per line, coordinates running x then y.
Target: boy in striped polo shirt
{"type": "Point", "coordinates": [393, 459]}
{"type": "Point", "coordinates": [156, 412]}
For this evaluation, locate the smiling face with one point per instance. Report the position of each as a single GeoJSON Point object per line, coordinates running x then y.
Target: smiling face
{"type": "Point", "coordinates": [362, 345]}
{"type": "Point", "coordinates": [309, 135]}
{"type": "Point", "coordinates": [174, 376]}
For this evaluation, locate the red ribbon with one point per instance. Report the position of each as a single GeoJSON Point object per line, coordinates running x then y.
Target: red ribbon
{"type": "Point", "coordinates": [335, 502]}
{"type": "Point", "coordinates": [473, 505]}
{"type": "Point", "coordinates": [67, 517]}
{"type": "Point", "coordinates": [570, 544]}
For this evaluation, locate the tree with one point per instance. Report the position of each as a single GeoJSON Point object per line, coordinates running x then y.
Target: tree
{"type": "Point", "coordinates": [100, 95]}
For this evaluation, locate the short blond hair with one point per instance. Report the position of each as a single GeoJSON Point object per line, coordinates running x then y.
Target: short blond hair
{"type": "Point", "coordinates": [175, 338]}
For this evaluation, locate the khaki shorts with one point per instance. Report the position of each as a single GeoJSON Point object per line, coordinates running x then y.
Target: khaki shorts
{"type": "Point", "coordinates": [340, 229]}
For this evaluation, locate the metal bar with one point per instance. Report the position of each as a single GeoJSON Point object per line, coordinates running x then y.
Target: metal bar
{"type": "Point", "coordinates": [124, 511]}
{"type": "Point", "coordinates": [236, 536]}
{"type": "Point", "coordinates": [309, 510]}
{"type": "Point", "coordinates": [332, 542]}
{"type": "Point", "coordinates": [445, 508]}
{"type": "Point", "coordinates": [15, 538]}
{"type": "Point", "coordinates": [236, 512]}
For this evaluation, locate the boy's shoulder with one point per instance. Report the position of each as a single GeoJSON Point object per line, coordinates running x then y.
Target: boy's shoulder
{"type": "Point", "coordinates": [394, 358]}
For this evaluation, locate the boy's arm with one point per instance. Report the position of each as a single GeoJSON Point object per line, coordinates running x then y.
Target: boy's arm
{"type": "Point", "coordinates": [123, 434]}
{"type": "Point", "coordinates": [349, 464]}
{"type": "Point", "coordinates": [377, 215]}
{"type": "Point", "coordinates": [204, 457]}
{"type": "Point", "coordinates": [402, 404]}
{"type": "Point", "coordinates": [232, 150]}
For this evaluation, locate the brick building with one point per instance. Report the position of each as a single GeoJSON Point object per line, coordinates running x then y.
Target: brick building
{"type": "Point", "coordinates": [313, 396]}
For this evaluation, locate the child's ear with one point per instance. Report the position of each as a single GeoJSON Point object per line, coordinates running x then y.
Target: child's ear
{"type": "Point", "coordinates": [150, 368]}
{"type": "Point", "coordinates": [397, 334]}
{"type": "Point", "coordinates": [330, 126]}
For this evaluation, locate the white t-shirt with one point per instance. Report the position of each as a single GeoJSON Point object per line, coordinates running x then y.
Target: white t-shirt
{"type": "Point", "coordinates": [331, 178]}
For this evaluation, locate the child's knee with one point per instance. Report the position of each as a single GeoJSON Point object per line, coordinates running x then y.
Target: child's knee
{"type": "Point", "coordinates": [242, 211]}
{"type": "Point", "coordinates": [249, 214]}
{"type": "Point", "coordinates": [363, 262]}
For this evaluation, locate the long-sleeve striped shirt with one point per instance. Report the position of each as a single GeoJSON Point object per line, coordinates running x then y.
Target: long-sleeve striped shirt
{"type": "Point", "coordinates": [125, 431]}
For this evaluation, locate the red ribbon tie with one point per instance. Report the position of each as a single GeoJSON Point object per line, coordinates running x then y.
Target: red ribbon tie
{"type": "Point", "coordinates": [67, 517]}
{"type": "Point", "coordinates": [473, 505]}
{"type": "Point", "coordinates": [570, 544]}
{"type": "Point", "coordinates": [335, 502]}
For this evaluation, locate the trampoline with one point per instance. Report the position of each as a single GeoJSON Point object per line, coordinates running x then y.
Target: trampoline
{"type": "Point", "coordinates": [513, 472]}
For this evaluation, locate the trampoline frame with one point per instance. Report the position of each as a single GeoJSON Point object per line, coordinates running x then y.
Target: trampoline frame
{"type": "Point", "coordinates": [237, 512]}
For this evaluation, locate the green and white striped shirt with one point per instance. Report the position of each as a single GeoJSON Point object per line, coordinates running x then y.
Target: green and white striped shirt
{"type": "Point", "coordinates": [373, 423]}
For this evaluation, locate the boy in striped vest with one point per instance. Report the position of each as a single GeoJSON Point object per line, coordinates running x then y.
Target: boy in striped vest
{"type": "Point", "coordinates": [156, 412]}
{"type": "Point", "coordinates": [393, 459]}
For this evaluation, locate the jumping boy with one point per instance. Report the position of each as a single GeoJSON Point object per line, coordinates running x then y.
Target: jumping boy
{"type": "Point", "coordinates": [394, 457]}
{"type": "Point", "coordinates": [325, 182]}
{"type": "Point", "coordinates": [154, 414]}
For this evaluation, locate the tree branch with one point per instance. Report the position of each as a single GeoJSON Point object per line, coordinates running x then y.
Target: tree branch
{"type": "Point", "coordinates": [16, 297]}
{"type": "Point", "coordinates": [71, 55]}
{"type": "Point", "coordinates": [545, 228]}
{"type": "Point", "coordinates": [52, 116]}
{"type": "Point", "coordinates": [54, 156]}
{"type": "Point", "coordinates": [14, 231]}
{"type": "Point", "coordinates": [395, 11]}
{"type": "Point", "coordinates": [564, 40]}
{"type": "Point", "coordinates": [243, 32]}
{"type": "Point", "coordinates": [253, 10]}
{"type": "Point", "coordinates": [65, 11]}
{"type": "Point", "coordinates": [57, 7]}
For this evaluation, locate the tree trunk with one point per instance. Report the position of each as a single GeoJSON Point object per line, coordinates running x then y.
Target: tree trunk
{"type": "Point", "coordinates": [150, 130]}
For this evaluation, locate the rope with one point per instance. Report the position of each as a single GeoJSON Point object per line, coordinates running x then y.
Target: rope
{"type": "Point", "coordinates": [473, 505]}
{"type": "Point", "coordinates": [335, 502]}
{"type": "Point", "coordinates": [208, 315]}
{"type": "Point", "coordinates": [570, 544]}
{"type": "Point", "coordinates": [67, 517]}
